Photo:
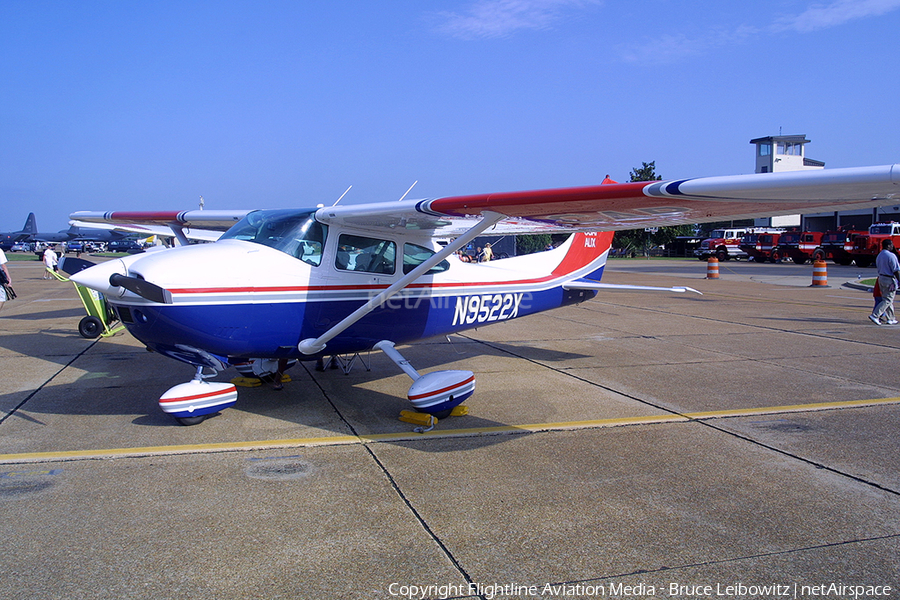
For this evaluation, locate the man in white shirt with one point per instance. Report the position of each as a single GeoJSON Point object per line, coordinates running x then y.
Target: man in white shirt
{"type": "Point", "coordinates": [888, 275]}
{"type": "Point", "coordinates": [50, 261]}
{"type": "Point", "coordinates": [7, 279]}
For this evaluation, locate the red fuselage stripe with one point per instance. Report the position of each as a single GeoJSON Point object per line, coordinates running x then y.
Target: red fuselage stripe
{"type": "Point", "coordinates": [338, 288]}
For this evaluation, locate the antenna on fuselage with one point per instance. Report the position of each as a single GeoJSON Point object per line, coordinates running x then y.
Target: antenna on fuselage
{"type": "Point", "coordinates": [409, 190]}
{"type": "Point", "coordinates": [342, 196]}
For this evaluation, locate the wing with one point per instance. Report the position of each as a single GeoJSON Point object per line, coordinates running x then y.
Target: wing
{"type": "Point", "coordinates": [205, 225]}
{"type": "Point", "coordinates": [608, 206]}
{"type": "Point", "coordinates": [617, 206]}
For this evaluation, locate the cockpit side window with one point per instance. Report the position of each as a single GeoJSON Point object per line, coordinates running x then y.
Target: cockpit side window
{"type": "Point", "coordinates": [369, 255]}
{"type": "Point", "coordinates": [296, 233]}
{"type": "Point", "coordinates": [414, 255]}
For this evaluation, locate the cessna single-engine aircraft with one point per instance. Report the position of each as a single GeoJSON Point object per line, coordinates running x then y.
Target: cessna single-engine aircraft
{"type": "Point", "coordinates": [302, 284]}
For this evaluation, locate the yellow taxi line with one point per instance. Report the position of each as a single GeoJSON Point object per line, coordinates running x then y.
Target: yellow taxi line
{"type": "Point", "coordinates": [63, 455]}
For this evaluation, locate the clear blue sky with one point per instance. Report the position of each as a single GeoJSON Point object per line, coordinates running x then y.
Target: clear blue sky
{"type": "Point", "coordinates": [126, 105]}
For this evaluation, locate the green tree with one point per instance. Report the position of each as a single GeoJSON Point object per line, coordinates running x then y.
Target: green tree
{"type": "Point", "coordinates": [526, 244]}
{"type": "Point", "coordinates": [635, 240]}
{"type": "Point", "coordinates": [647, 172]}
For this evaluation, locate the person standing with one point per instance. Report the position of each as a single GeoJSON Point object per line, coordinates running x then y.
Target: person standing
{"type": "Point", "coordinates": [888, 276]}
{"type": "Point", "coordinates": [4, 278]}
{"type": "Point", "coordinates": [50, 261]}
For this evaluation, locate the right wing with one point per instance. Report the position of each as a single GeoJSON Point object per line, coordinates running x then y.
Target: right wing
{"type": "Point", "coordinates": [203, 225]}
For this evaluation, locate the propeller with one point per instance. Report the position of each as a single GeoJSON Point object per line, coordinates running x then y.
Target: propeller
{"type": "Point", "coordinates": [142, 288]}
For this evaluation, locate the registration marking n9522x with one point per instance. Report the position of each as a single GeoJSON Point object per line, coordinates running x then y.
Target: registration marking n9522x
{"type": "Point", "coordinates": [486, 308]}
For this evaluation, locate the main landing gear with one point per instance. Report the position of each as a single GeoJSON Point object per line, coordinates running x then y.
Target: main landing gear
{"type": "Point", "coordinates": [435, 395]}
{"type": "Point", "coordinates": [192, 402]}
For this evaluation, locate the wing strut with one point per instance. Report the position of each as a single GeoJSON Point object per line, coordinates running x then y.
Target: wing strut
{"type": "Point", "coordinates": [312, 346]}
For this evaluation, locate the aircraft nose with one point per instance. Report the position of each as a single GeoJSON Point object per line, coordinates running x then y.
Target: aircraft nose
{"type": "Point", "coordinates": [97, 277]}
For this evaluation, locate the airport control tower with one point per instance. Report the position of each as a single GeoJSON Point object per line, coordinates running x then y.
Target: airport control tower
{"type": "Point", "coordinates": [777, 153]}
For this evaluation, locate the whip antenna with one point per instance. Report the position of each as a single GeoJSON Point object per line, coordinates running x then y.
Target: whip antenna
{"type": "Point", "coordinates": [409, 190]}
{"type": "Point", "coordinates": [342, 196]}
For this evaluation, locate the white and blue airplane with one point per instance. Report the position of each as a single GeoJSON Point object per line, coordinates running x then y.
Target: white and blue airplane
{"type": "Point", "coordinates": [303, 284]}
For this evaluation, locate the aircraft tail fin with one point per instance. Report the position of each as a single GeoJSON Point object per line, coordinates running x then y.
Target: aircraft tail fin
{"type": "Point", "coordinates": [586, 255]}
{"type": "Point", "coordinates": [30, 224]}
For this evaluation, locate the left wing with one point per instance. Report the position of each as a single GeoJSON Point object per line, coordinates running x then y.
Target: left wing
{"type": "Point", "coordinates": [618, 206]}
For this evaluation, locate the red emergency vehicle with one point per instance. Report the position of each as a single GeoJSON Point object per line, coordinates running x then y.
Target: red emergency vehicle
{"type": "Point", "coordinates": [799, 246]}
{"type": "Point", "coordinates": [867, 246]}
{"type": "Point", "coordinates": [762, 246]}
{"type": "Point", "coordinates": [838, 246]}
{"type": "Point", "coordinates": [723, 244]}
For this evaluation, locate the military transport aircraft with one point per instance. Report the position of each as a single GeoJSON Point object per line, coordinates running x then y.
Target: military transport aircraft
{"type": "Point", "coordinates": [74, 232]}
{"type": "Point", "coordinates": [302, 284]}
{"type": "Point", "coordinates": [7, 239]}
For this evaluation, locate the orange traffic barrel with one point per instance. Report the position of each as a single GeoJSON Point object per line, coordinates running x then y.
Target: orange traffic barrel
{"type": "Point", "coordinates": [712, 268]}
{"type": "Point", "coordinates": [820, 274]}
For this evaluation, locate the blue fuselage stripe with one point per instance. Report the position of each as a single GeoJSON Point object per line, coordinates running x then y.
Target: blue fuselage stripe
{"type": "Point", "coordinates": [242, 330]}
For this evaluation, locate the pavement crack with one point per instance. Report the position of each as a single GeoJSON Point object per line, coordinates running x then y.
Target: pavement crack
{"type": "Point", "coordinates": [398, 490]}
{"type": "Point", "coordinates": [703, 421]}
{"type": "Point", "coordinates": [729, 560]}
{"type": "Point", "coordinates": [43, 385]}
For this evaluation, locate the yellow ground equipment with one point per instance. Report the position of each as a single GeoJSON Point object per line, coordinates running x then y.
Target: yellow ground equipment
{"type": "Point", "coordinates": [100, 317]}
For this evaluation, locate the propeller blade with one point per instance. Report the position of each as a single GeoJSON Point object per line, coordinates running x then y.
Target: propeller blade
{"type": "Point", "coordinates": [142, 288]}
{"type": "Point", "coordinates": [71, 265]}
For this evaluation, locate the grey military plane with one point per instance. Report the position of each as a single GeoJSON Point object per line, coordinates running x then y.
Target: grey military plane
{"type": "Point", "coordinates": [29, 233]}
{"type": "Point", "coordinates": [8, 238]}
{"type": "Point", "coordinates": [74, 232]}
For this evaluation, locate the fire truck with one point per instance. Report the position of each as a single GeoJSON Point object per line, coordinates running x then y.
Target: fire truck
{"type": "Point", "coordinates": [838, 246]}
{"type": "Point", "coordinates": [867, 246]}
{"type": "Point", "coordinates": [761, 246]}
{"type": "Point", "coordinates": [722, 244]}
{"type": "Point", "coordinates": [727, 243]}
{"type": "Point", "coordinates": [800, 246]}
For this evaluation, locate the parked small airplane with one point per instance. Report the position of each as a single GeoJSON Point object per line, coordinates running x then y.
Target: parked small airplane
{"type": "Point", "coordinates": [303, 284]}
{"type": "Point", "coordinates": [9, 238]}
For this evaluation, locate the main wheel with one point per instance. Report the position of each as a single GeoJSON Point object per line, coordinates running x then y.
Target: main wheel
{"type": "Point", "coordinates": [90, 327]}
{"type": "Point", "coordinates": [188, 421]}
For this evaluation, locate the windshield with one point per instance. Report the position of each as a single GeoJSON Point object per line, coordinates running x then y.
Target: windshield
{"type": "Point", "coordinates": [294, 232]}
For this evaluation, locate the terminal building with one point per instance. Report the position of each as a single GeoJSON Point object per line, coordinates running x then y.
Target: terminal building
{"type": "Point", "coordinates": [777, 153]}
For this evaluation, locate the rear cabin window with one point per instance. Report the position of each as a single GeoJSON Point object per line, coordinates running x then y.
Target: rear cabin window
{"type": "Point", "coordinates": [414, 255]}
{"type": "Point", "coordinates": [364, 254]}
